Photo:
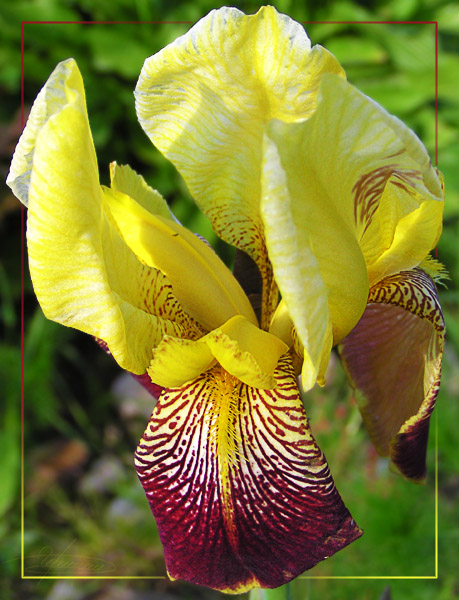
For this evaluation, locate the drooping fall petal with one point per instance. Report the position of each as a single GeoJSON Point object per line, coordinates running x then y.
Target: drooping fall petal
{"type": "Point", "coordinates": [205, 99]}
{"type": "Point", "coordinates": [241, 493]}
{"type": "Point", "coordinates": [393, 360]}
{"type": "Point", "coordinates": [84, 274]}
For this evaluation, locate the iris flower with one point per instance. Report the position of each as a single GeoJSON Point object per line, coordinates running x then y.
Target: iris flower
{"type": "Point", "coordinates": [333, 206]}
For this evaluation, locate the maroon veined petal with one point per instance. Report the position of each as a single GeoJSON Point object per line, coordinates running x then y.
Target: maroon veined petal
{"type": "Point", "coordinates": [241, 493]}
{"type": "Point", "coordinates": [393, 360]}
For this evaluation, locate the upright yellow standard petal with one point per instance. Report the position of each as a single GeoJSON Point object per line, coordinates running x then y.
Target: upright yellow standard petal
{"type": "Point", "coordinates": [83, 273]}
{"type": "Point", "coordinates": [317, 262]}
{"type": "Point", "coordinates": [205, 99]}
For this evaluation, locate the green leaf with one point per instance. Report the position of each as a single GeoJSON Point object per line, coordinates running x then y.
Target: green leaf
{"type": "Point", "coordinates": [401, 93]}
{"type": "Point", "coordinates": [448, 165]}
{"type": "Point", "coordinates": [448, 18]}
{"type": "Point", "coordinates": [280, 593]}
{"type": "Point", "coordinates": [38, 10]}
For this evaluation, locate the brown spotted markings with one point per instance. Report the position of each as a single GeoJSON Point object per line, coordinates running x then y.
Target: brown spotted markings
{"type": "Point", "coordinates": [248, 235]}
{"type": "Point", "coordinates": [414, 291]}
{"type": "Point", "coordinates": [156, 297]}
{"type": "Point", "coordinates": [370, 186]}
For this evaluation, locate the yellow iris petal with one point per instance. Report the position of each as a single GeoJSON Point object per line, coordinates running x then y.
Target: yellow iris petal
{"type": "Point", "coordinates": [281, 324]}
{"type": "Point", "coordinates": [416, 231]}
{"type": "Point", "coordinates": [126, 180]}
{"type": "Point", "coordinates": [203, 284]}
{"type": "Point", "coordinates": [317, 222]}
{"type": "Point", "coordinates": [376, 174]}
{"type": "Point", "coordinates": [247, 341]}
{"type": "Point", "coordinates": [177, 361]}
{"type": "Point", "coordinates": [241, 348]}
{"type": "Point", "coordinates": [317, 262]}
{"type": "Point", "coordinates": [83, 273]}
{"type": "Point", "coordinates": [205, 99]}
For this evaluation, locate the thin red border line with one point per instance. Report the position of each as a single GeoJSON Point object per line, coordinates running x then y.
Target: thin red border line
{"type": "Point", "coordinates": [23, 246]}
{"type": "Point", "coordinates": [106, 22]}
{"type": "Point", "coordinates": [436, 110]}
{"type": "Point", "coordinates": [189, 22]}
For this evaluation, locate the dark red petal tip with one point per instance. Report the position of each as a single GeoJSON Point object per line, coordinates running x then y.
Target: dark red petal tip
{"type": "Point", "coordinates": [393, 360]}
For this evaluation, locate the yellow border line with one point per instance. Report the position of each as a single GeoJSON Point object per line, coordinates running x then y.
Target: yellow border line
{"type": "Point", "coordinates": [93, 577]}
{"type": "Point", "coordinates": [436, 494]}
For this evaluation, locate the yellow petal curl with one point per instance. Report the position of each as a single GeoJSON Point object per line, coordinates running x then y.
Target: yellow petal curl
{"type": "Point", "coordinates": [126, 180]}
{"type": "Point", "coordinates": [241, 348]}
{"type": "Point", "coordinates": [377, 174]}
{"type": "Point", "coordinates": [64, 85]}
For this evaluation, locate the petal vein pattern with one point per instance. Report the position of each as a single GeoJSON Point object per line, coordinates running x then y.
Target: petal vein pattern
{"type": "Point", "coordinates": [207, 111]}
{"type": "Point", "coordinates": [393, 360]}
{"type": "Point", "coordinates": [235, 471]}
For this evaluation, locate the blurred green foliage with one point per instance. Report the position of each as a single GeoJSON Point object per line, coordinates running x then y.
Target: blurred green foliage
{"type": "Point", "coordinates": [71, 409]}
